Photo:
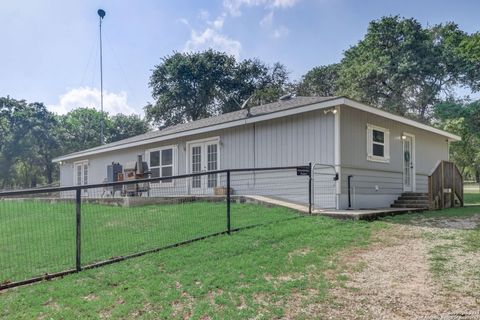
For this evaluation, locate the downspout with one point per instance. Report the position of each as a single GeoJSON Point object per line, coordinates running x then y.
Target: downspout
{"type": "Point", "coordinates": [349, 191]}
{"type": "Point", "coordinates": [337, 147]}
{"type": "Point", "coordinates": [254, 154]}
{"type": "Point", "coordinates": [254, 146]}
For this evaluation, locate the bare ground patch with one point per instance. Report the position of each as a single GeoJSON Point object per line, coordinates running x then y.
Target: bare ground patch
{"type": "Point", "coordinates": [391, 279]}
{"type": "Point", "coordinates": [455, 267]}
{"type": "Point", "coordinates": [460, 223]}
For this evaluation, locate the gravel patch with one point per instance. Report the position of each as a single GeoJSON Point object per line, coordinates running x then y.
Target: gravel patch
{"type": "Point", "coordinates": [460, 223]}
{"type": "Point", "coordinates": [391, 279]}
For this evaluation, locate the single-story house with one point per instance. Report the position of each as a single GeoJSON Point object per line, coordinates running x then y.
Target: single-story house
{"type": "Point", "coordinates": [382, 154]}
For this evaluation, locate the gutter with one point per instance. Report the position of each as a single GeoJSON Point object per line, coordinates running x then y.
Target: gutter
{"type": "Point", "coordinates": [268, 116]}
{"type": "Point", "coordinates": [230, 124]}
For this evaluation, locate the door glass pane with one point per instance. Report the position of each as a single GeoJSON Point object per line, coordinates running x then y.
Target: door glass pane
{"type": "Point", "coordinates": [196, 159]}
{"type": "Point", "coordinates": [212, 157]}
{"type": "Point", "coordinates": [196, 166]}
{"type": "Point", "coordinates": [212, 165]}
{"type": "Point", "coordinates": [79, 175]}
{"type": "Point", "coordinates": [407, 162]}
{"type": "Point", "coordinates": [154, 159]}
{"type": "Point", "coordinates": [212, 180]}
{"type": "Point", "coordinates": [167, 157]}
{"type": "Point", "coordinates": [196, 182]}
{"type": "Point", "coordinates": [85, 174]}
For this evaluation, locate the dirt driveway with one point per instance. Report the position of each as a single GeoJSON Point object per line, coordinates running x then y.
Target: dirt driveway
{"type": "Point", "coordinates": [422, 269]}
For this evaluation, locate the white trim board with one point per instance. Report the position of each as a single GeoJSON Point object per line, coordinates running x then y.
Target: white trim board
{"type": "Point", "coordinates": [273, 115]}
{"type": "Point", "coordinates": [388, 115]}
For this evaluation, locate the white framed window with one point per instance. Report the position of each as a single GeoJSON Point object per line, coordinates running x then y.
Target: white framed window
{"type": "Point", "coordinates": [162, 163]}
{"type": "Point", "coordinates": [80, 173]}
{"type": "Point", "coordinates": [378, 144]}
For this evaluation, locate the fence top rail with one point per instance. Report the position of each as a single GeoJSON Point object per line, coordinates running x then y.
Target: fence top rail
{"type": "Point", "coordinates": [127, 182]}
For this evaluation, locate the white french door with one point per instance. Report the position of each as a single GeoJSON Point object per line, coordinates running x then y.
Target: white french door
{"type": "Point", "coordinates": [408, 162]}
{"type": "Point", "coordinates": [203, 157]}
{"type": "Point", "coordinates": [80, 173]}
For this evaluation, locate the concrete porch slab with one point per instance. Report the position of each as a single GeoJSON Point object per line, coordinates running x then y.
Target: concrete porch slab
{"type": "Point", "coordinates": [363, 214]}
{"type": "Point", "coordinates": [277, 202]}
{"type": "Point", "coordinates": [355, 214]}
{"type": "Point", "coordinates": [366, 214]}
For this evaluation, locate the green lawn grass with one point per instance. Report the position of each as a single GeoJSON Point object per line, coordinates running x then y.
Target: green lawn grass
{"type": "Point", "coordinates": [471, 194]}
{"type": "Point", "coordinates": [255, 273]}
{"type": "Point", "coordinates": [248, 274]}
{"type": "Point", "coordinates": [38, 237]}
{"type": "Point", "coordinates": [471, 198]}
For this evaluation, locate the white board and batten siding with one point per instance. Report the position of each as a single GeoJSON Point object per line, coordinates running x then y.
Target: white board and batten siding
{"type": "Point", "coordinates": [287, 141]}
{"type": "Point", "coordinates": [298, 139]}
{"type": "Point", "coordinates": [378, 184]}
{"type": "Point", "coordinates": [291, 141]}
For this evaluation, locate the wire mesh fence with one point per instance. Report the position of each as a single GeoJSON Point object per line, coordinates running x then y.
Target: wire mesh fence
{"type": "Point", "coordinates": [50, 232]}
{"type": "Point", "coordinates": [471, 192]}
{"type": "Point", "coordinates": [324, 186]}
{"type": "Point", "coordinates": [30, 233]}
{"type": "Point", "coordinates": [471, 187]}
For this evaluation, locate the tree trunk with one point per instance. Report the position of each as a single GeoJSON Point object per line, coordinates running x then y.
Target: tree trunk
{"type": "Point", "coordinates": [49, 170]}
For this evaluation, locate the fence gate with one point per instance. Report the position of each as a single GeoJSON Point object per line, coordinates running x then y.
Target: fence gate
{"type": "Point", "coordinates": [324, 179]}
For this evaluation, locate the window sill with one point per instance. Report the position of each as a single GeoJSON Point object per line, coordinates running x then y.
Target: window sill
{"type": "Point", "coordinates": [378, 159]}
{"type": "Point", "coordinates": [159, 184]}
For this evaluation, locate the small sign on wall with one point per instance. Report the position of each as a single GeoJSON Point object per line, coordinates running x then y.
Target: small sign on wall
{"type": "Point", "coordinates": [303, 171]}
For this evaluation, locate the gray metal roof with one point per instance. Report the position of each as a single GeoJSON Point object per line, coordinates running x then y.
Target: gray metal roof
{"type": "Point", "coordinates": [277, 106]}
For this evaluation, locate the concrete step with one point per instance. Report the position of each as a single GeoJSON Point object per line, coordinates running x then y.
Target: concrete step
{"type": "Point", "coordinates": [416, 194]}
{"type": "Point", "coordinates": [402, 201]}
{"type": "Point", "coordinates": [412, 200]}
{"type": "Point", "coordinates": [402, 205]}
{"type": "Point", "coordinates": [425, 198]}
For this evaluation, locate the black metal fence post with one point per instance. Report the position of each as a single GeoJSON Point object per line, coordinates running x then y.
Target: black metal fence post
{"type": "Point", "coordinates": [229, 229]}
{"type": "Point", "coordinates": [78, 201]}
{"type": "Point", "coordinates": [310, 189]}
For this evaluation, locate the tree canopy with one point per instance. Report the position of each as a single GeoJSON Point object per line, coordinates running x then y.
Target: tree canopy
{"type": "Point", "coordinates": [31, 137]}
{"type": "Point", "coordinates": [462, 119]}
{"type": "Point", "coordinates": [320, 81]}
{"type": "Point", "coordinates": [399, 65]}
{"type": "Point", "coordinates": [191, 86]}
{"type": "Point", "coordinates": [28, 142]}
{"type": "Point", "coordinates": [403, 67]}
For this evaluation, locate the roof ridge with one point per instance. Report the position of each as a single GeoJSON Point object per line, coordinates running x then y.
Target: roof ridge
{"type": "Point", "coordinates": [270, 107]}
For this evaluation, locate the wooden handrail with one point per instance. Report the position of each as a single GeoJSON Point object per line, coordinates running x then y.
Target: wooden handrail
{"type": "Point", "coordinates": [445, 179]}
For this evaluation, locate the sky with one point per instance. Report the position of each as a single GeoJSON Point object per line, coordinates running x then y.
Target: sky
{"type": "Point", "coordinates": [49, 49]}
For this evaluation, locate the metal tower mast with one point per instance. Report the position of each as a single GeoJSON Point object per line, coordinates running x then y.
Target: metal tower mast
{"type": "Point", "coordinates": [101, 14]}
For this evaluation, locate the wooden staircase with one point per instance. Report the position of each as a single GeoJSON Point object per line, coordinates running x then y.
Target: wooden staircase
{"type": "Point", "coordinates": [445, 190]}
{"type": "Point", "coordinates": [445, 186]}
{"type": "Point", "coordinates": [412, 200]}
